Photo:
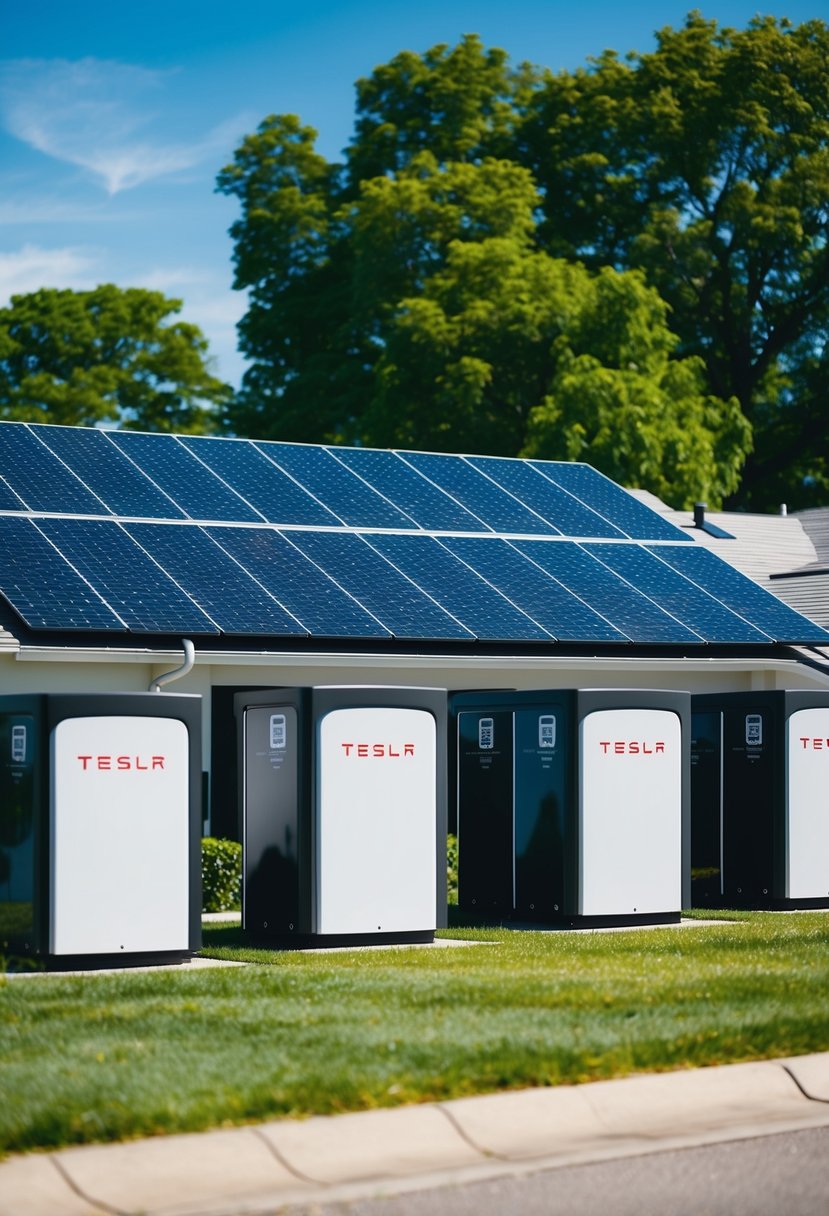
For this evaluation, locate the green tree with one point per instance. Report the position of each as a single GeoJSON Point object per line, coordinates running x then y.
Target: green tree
{"type": "Point", "coordinates": [110, 355]}
{"type": "Point", "coordinates": [706, 164]}
{"type": "Point", "coordinates": [414, 295]}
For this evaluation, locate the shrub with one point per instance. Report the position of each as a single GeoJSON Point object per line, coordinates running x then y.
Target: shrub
{"type": "Point", "coordinates": [221, 875]}
{"type": "Point", "coordinates": [451, 869]}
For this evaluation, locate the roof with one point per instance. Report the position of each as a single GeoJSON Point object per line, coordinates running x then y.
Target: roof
{"type": "Point", "coordinates": [119, 535]}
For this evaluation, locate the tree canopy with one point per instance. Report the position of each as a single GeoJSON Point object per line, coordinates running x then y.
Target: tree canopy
{"type": "Point", "coordinates": [109, 355]}
{"type": "Point", "coordinates": [626, 264]}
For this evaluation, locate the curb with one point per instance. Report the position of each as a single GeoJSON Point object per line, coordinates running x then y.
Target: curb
{"type": "Point", "coordinates": [257, 1168]}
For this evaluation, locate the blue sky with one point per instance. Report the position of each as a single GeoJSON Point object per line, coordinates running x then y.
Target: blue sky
{"type": "Point", "coordinates": [115, 118]}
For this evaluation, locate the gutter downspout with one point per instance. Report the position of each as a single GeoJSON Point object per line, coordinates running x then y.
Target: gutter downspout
{"type": "Point", "coordinates": [177, 672]}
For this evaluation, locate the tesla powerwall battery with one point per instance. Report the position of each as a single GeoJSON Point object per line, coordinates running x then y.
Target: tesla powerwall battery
{"type": "Point", "coordinates": [376, 820]}
{"type": "Point", "coordinates": [119, 860]}
{"type": "Point", "coordinates": [760, 811]}
{"type": "Point", "coordinates": [807, 804]}
{"type": "Point", "coordinates": [101, 821]}
{"type": "Point", "coordinates": [573, 806]}
{"type": "Point", "coordinates": [630, 812]}
{"type": "Point", "coordinates": [343, 813]}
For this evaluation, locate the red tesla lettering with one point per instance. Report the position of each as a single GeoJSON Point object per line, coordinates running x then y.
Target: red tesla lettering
{"type": "Point", "coordinates": [105, 762]}
{"type": "Point", "coordinates": [817, 744]}
{"type": "Point", "coordinates": [408, 749]}
{"type": "Point", "coordinates": [604, 747]}
{"type": "Point", "coordinates": [347, 748]}
{"type": "Point", "coordinates": [85, 761]}
{"type": "Point", "coordinates": [123, 762]}
{"type": "Point", "coordinates": [362, 749]}
{"type": "Point", "coordinates": [158, 762]}
{"type": "Point", "coordinates": [378, 750]}
{"type": "Point", "coordinates": [634, 748]}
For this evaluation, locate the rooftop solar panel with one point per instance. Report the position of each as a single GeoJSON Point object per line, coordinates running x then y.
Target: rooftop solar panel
{"type": "Point", "coordinates": [318, 603]}
{"type": "Point", "coordinates": [631, 612]}
{"type": "Point", "coordinates": [189, 482]}
{"type": "Point", "coordinates": [423, 501]}
{"type": "Point", "coordinates": [42, 587]}
{"type": "Point", "coordinates": [494, 506]}
{"type": "Point", "coordinates": [117, 482]}
{"type": "Point", "coordinates": [406, 610]}
{"type": "Point", "coordinates": [706, 615]}
{"type": "Point", "coordinates": [351, 500]}
{"type": "Point", "coordinates": [609, 499]}
{"type": "Point", "coordinates": [484, 611]}
{"type": "Point", "coordinates": [226, 592]}
{"type": "Point", "coordinates": [260, 482]}
{"type": "Point", "coordinates": [568, 514]}
{"type": "Point", "coordinates": [38, 478]}
{"type": "Point", "coordinates": [146, 599]}
{"type": "Point", "coordinates": [742, 595]}
{"type": "Point", "coordinates": [549, 603]}
{"type": "Point", "coordinates": [8, 499]}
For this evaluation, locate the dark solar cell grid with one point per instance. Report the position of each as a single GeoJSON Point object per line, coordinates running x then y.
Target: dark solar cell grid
{"type": "Point", "coordinates": [43, 588]}
{"type": "Point", "coordinates": [760, 607]}
{"type": "Point", "coordinates": [632, 613]}
{"type": "Point", "coordinates": [351, 500]}
{"type": "Point", "coordinates": [483, 610]}
{"type": "Point", "coordinates": [265, 486]}
{"type": "Point", "coordinates": [219, 586]}
{"type": "Point", "coordinates": [94, 458]}
{"type": "Point", "coordinates": [197, 490]}
{"type": "Point", "coordinates": [314, 599]}
{"type": "Point", "coordinates": [145, 598]}
{"type": "Point", "coordinates": [536, 593]}
{"type": "Point", "coordinates": [38, 478]}
{"type": "Point", "coordinates": [494, 506]}
{"type": "Point", "coordinates": [402, 607]}
{"type": "Point", "coordinates": [428, 506]}
{"type": "Point", "coordinates": [610, 500]}
{"type": "Point", "coordinates": [566, 513]}
{"type": "Point", "coordinates": [707, 616]}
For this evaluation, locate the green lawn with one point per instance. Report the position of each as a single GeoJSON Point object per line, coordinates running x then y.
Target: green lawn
{"type": "Point", "coordinates": [103, 1057]}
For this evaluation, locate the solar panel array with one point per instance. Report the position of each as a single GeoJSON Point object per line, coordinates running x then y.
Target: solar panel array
{"type": "Point", "coordinates": [122, 532]}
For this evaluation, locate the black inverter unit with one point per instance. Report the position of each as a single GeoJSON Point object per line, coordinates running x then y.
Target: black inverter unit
{"type": "Point", "coordinates": [760, 800]}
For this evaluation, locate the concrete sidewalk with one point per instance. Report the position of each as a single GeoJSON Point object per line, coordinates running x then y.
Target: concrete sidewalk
{"type": "Point", "coordinates": [260, 1168]}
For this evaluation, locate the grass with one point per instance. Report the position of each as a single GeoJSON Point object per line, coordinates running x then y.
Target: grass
{"type": "Point", "coordinates": [104, 1057]}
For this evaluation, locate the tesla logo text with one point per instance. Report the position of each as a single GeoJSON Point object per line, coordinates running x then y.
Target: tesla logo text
{"type": "Point", "coordinates": [121, 764]}
{"type": "Point", "coordinates": [817, 745]}
{"type": "Point", "coordinates": [379, 751]}
{"type": "Point", "coordinates": [630, 747]}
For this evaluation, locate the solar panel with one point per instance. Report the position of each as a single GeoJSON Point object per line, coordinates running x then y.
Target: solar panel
{"type": "Point", "coordinates": [230, 597]}
{"type": "Point", "coordinates": [146, 599]}
{"type": "Point", "coordinates": [38, 478]}
{"type": "Point", "coordinates": [762, 608]}
{"type": "Point", "coordinates": [706, 615]}
{"type": "Point", "coordinates": [351, 500]}
{"type": "Point", "coordinates": [427, 505]}
{"type": "Point", "coordinates": [42, 587]}
{"type": "Point", "coordinates": [260, 482]}
{"type": "Point", "coordinates": [403, 608]}
{"type": "Point", "coordinates": [634, 614]}
{"type": "Point", "coordinates": [571, 517]}
{"type": "Point", "coordinates": [8, 499]}
{"type": "Point", "coordinates": [318, 603]}
{"type": "Point", "coordinates": [549, 603]}
{"type": "Point", "coordinates": [116, 481]}
{"type": "Point", "coordinates": [198, 491]}
{"type": "Point", "coordinates": [608, 499]}
{"type": "Point", "coordinates": [494, 506]}
{"type": "Point", "coordinates": [483, 610]}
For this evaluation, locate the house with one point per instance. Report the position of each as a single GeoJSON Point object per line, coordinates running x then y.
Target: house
{"type": "Point", "coordinates": [295, 565]}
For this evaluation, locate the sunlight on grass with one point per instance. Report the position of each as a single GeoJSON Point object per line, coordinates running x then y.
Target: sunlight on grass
{"type": "Point", "coordinates": [102, 1057]}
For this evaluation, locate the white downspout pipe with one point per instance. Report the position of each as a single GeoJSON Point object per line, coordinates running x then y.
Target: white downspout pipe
{"type": "Point", "coordinates": [177, 672]}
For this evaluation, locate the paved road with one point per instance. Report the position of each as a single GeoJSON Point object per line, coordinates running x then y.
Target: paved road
{"type": "Point", "coordinates": [784, 1175]}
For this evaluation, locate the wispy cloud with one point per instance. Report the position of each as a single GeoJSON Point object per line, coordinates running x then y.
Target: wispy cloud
{"type": "Point", "coordinates": [32, 267]}
{"type": "Point", "coordinates": [97, 114]}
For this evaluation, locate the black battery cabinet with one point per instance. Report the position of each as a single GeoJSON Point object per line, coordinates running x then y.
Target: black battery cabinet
{"type": "Point", "coordinates": [572, 806]}
{"type": "Point", "coordinates": [760, 800]}
{"type": "Point", "coordinates": [100, 827]}
{"type": "Point", "coordinates": [342, 804]}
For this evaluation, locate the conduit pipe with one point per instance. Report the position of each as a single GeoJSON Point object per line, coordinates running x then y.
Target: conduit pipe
{"type": "Point", "coordinates": [177, 672]}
